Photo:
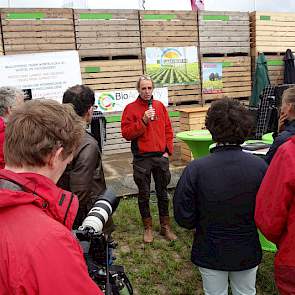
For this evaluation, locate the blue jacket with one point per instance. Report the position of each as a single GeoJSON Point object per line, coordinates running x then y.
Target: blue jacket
{"type": "Point", "coordinates": [216, 196]}
{"type": "Point", "coordinates": [280, 139]}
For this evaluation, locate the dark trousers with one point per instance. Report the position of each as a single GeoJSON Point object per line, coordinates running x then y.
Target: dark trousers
{"type": "Point", "coordinates": [143, 168]}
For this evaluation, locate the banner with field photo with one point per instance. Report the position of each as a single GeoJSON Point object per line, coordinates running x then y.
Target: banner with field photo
{"type": "Point", "coordinates": [212, 77]}
{"type": "Point", "coordinates": [173, 66]}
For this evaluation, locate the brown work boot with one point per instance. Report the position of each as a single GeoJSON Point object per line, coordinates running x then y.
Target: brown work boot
{"type": "Point", "coordinates": [166, 229]}
{"type": "Point", "coordinates": [148, 232]}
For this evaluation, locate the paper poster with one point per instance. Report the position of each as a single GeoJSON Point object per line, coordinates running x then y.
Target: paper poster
{"type": "Point", "coordinates": [212, 77]}
{"type": "Point", "coordinates": [115, 101]}
{"type": "Point", "coordinates": [44, 75]}
{"type": "Point", "coordinates": [173, 66]}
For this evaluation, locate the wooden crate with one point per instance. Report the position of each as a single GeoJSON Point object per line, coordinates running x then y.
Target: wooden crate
{"type": "Point", "coordinates": [171, 29]}
{"type": "Point", "coordinates": [236, 77]}
{"type": "Point", "coordinates": [178, 94]}
{"type": "Point", "coordinates": [224, 32]}
{"type": "Point", "coordinates": [37, 30]}
{"type": "Point", "coordinates": [115, 143]}
{"type": "Point", "coordinates": [272, 32]}
{"type": "Point", "coordinates": [111, 74]}
{"type": "Point", "coordinates": [275, 65]}
{"type": "Point", "coordinates": [107, 33]}
{"type": "Point", "coordinates": [191, 118]}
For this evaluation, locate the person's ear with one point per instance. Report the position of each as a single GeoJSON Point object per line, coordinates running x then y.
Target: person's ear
{"type": "Point", "coordinates": [55, 157]}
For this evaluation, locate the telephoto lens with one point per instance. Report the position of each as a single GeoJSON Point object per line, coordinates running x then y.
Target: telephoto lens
{"type": "Point", "coordinates": [100, 212]}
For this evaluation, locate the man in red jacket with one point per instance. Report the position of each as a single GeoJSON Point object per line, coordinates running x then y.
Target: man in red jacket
{"type": "Point", "coordinates": [275, 213]}
{"type": "Point", "coordinates": [38, 252]}
{"type": "Point", "coordinates": [146, 123]}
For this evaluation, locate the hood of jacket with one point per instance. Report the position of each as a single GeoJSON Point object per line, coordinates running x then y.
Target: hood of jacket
{"type": "Point", "coordinates": [18, 189]}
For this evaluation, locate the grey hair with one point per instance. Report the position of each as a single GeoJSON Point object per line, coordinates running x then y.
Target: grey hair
{"type": "Point", "coordinates": [8, 97]}
{"type": "Point", "coordinates": [144, 77]}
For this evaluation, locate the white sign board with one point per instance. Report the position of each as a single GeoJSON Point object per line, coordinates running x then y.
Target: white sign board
{"type": "Point", "coordinates": [48, 74]}
{"type": "Point", "coordinates": [115, 101]}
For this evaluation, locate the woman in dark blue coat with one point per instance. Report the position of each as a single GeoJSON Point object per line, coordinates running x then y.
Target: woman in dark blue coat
{"type": "Point", "coordinates": [216, 196]}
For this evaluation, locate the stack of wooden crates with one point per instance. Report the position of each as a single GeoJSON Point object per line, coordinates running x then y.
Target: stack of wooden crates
{"type": "Point", "coordinates": [225, 38]}
{"type": "Point", "coordinates": [108, 42]}
{"type": "Point", "coordinates": [37, 30]}
{"type": "Point", "coordinates": [272, 34]}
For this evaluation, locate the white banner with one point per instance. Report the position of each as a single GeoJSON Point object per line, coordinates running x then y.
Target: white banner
{"type": "Point", "coordinates": [48, 74]}
{"type": "Point", "coordinates": [115, 101]}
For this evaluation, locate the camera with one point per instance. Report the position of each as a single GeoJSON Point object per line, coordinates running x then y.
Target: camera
{"type": "Point", "coordinates": [98, 248]}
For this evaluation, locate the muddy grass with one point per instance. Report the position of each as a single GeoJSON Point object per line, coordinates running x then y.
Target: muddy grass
{"type": "Point", "coordinates": [164, 268]}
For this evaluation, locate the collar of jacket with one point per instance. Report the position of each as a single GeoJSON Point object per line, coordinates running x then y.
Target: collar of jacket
{"type": "Point", "coordinates": [290, 124]}
{"type": "Point", "coordinates": [142, 101]}
{"type": "Point", "coordinates": [40, 191]}
{"type": "Point", "coordinates": [225, 147]}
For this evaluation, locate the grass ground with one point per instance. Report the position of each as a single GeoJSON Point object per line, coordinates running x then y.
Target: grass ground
{"type": "Point", "coordinates": [164, 267]}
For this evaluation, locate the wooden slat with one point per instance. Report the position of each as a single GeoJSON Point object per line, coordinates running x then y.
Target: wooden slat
{"type": "Point", "coordinates": [180, 31]}
{"type": "Point", "coordinates": [236, 77]}
{"type": "Point", "coordinates": [272, 32]}
{"type": "Point", "coordinates": [37, 30]}
{"type": "Point", "coordinates": [224, 32]}
{"type": "Point", "coordinates": [111, 75]}
{"type": "Point", "coordinates": [116, 36]}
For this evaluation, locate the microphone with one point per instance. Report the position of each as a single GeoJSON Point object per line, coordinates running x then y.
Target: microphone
{"type": "Point", "coordinates": [150, 105]}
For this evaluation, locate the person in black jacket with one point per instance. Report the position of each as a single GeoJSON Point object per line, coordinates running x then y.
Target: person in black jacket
{"type": "Point", "coordinates": [286, 122]}
{"type": "Point", "coordinates": [216, 196]}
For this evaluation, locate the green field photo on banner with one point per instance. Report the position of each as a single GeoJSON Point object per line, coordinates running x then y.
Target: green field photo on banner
{"type": "Point", "coordinates": [212, 77]}
{"type": "Point", "coordinates": [173, 66]}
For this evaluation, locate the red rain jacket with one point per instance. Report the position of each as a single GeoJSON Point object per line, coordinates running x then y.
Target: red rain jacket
{"type": "Point", "coordinates": [275, 213]}
{"type": "Point", "coordinates": [38, 252]}
{"type": "Point", "coordinates": [156, 136]}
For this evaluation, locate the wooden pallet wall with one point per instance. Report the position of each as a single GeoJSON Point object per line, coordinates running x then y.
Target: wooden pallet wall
{"type": "Point", "coordinates": [107, 75]}
{"type": "Point", "coordinates": [37, 30]}
{"type": "Point", "coordinates": [224, 32]}
{"type": "Point", "coordinates": [272, 32]}
{"type": "Point", "coordinates": [236, 77]}
{"type": "Point", "coordinates": [275, 65]}
{"type": "Point", "coordinates": [171, 29]}
{"type": "Point", "coordinates": [107, 33]}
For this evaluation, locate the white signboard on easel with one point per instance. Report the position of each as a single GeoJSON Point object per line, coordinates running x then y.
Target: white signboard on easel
{"type": "Point", "coordinates": [47, 75]}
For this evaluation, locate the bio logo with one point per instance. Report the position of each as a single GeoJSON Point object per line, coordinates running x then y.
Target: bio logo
{"type": "Point", "coordinates": [106, 101]}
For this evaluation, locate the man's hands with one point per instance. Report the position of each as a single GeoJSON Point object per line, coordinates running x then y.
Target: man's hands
{"type": "Point", "coordinates": [166, 155]}
{"type": "Point", "coordinates": [148, 115]}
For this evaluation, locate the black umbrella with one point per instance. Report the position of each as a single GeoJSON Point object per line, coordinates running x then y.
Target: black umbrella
{"type": "Point", "coordinates": [289, 72]}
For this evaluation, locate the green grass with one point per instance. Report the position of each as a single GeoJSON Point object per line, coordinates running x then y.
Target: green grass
{"type": "Point", "coordinates": [164, 267]}
{"type": "Point", "coordinates": [213, 85]}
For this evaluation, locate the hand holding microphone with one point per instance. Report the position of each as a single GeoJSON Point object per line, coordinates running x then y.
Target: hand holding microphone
{"type": "Point", "coordinates": [150, 113]}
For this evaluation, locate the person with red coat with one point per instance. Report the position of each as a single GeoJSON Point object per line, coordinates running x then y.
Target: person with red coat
{"type": "Point", "coordinates": [38, 252]}
{"type": "Point", "coordinates": [146, 123]}
{"type": "Point", "coordinates": [9, 97]}
{"type": "Point", "coordinates": [275, 213]}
